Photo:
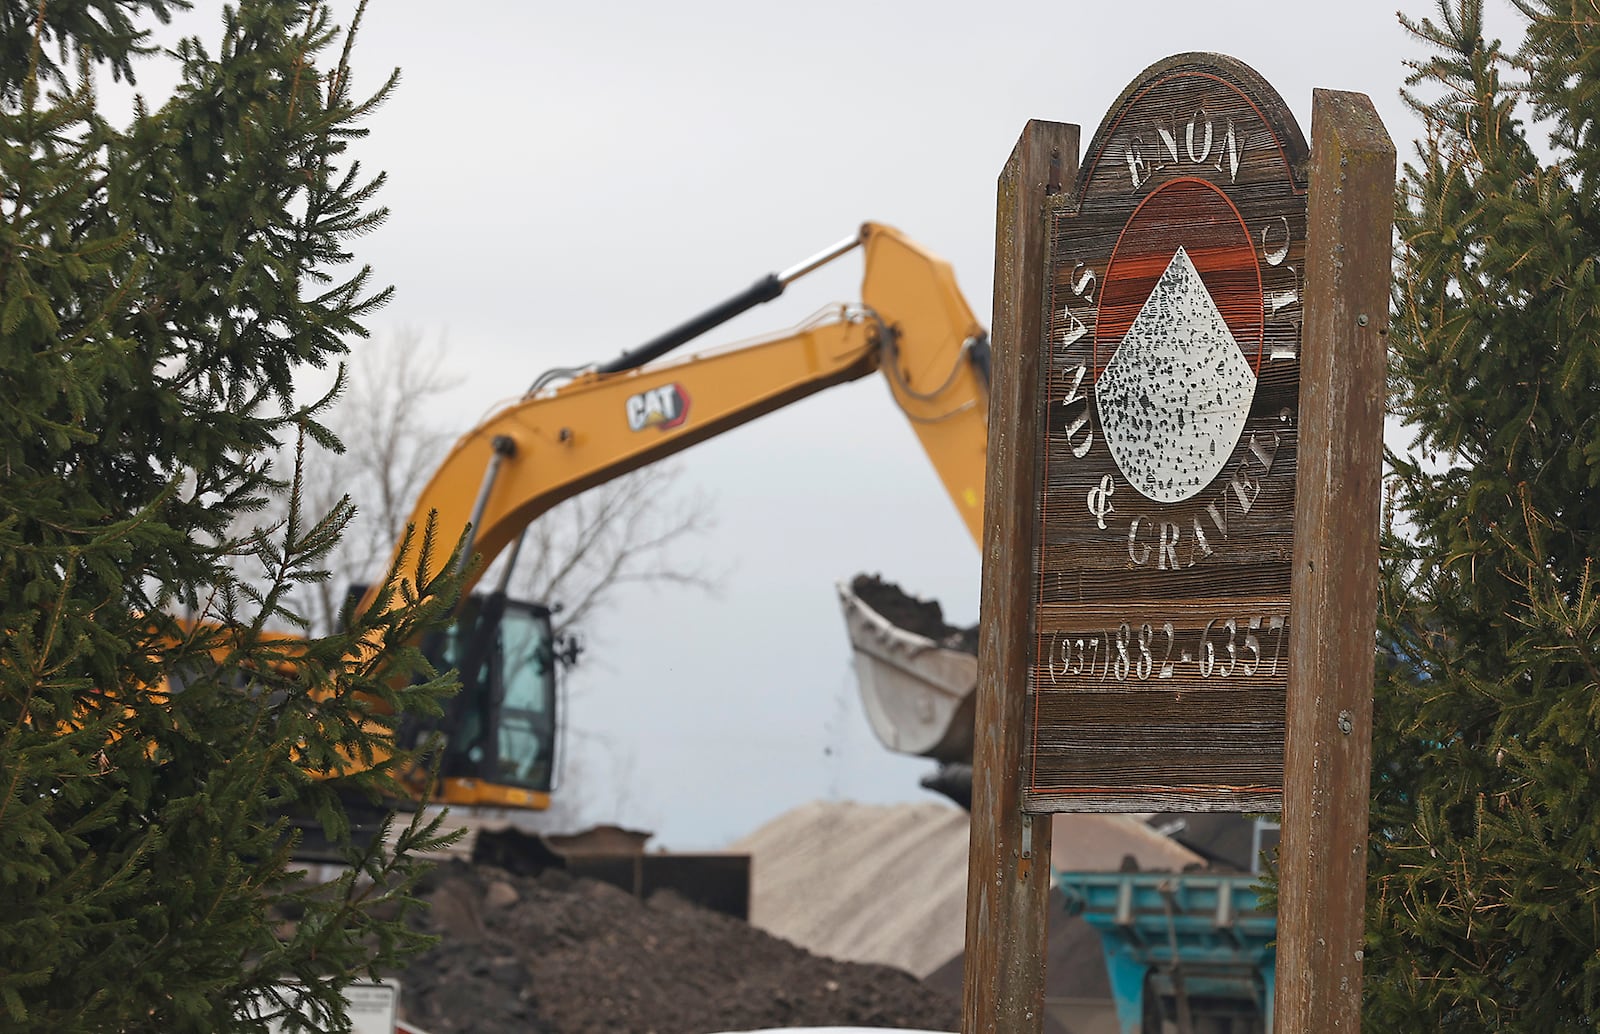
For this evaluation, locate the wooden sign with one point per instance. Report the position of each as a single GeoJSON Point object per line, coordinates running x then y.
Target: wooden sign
{"type": "Point", "coordinates": [1180, 531]}
{"type": "Point", "coordinates": [1170, 384]}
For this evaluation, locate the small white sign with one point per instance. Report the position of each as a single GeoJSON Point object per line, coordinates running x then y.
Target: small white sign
{"type": "Point", "coordinates": [370, 1006]}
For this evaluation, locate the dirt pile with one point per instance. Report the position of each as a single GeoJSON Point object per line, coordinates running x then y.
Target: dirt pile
{"type": "Point", "coordinates": [924, 617]}
{"type": "Point", "coordinates": [555, 955]}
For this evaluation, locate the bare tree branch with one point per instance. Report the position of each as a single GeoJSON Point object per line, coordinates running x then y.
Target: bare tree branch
{"type": "Point", "coordinates": [622, 533]}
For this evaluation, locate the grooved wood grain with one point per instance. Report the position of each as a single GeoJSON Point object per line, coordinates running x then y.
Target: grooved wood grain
{"type": "Point", "coordinates": [1328, 748]}
{"type": "Point", "coordinates": [1008, 865]}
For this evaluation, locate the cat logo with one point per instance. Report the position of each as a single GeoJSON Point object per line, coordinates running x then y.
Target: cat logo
{"type": "Point", "coordinates": [663, 408]}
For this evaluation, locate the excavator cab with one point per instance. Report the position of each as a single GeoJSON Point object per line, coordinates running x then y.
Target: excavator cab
{"type": "Point", "coordinates": [501, 727]}
{"type": "Point", "coordinates": [495, 742]}
{"type": "Point", "coordinates": [497, 736]}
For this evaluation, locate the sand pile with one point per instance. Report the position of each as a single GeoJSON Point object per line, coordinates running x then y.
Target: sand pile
{"type": "Point", "coordinates": [887, 884]}
{"type": "Point", "coordinates": [872, 883]}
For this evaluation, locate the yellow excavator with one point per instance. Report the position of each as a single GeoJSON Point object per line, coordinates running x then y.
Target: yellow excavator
{"type": "Point", "coordinates": [578, 427]}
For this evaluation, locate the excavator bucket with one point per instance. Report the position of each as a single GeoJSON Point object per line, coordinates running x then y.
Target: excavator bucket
{"type": "Point", "coordinates": [917, 674]}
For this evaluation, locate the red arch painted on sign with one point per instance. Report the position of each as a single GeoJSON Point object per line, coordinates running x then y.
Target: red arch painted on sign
{"type": "Point", "coordinates": [1196, 214]}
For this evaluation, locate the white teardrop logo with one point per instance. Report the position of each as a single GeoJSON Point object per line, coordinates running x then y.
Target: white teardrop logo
{"type": "Point", "coordinates": [1175, 395]}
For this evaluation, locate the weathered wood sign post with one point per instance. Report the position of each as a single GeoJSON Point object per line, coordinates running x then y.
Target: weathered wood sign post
{"type": "Point", "coordinates": [1181, 530]}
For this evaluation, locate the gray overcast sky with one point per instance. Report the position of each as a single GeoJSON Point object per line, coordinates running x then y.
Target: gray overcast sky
{"type": "Point", "coordinates": [568, 179]}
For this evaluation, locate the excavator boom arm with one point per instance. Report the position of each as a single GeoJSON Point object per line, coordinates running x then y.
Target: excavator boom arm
{"type": "Point", "coordinates": [600, 427]}
{"type": "Point", "coordinates": [913, 324]}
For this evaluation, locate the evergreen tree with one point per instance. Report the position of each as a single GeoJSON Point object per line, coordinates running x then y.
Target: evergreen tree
{"type": "Point", "coordinates": [161, 283]}
{"type": "Point", "coordinates": [1485, 863]}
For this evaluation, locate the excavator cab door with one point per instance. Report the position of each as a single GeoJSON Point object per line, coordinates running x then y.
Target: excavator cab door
{"type": "Point", "coordinates": [501, 728]}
